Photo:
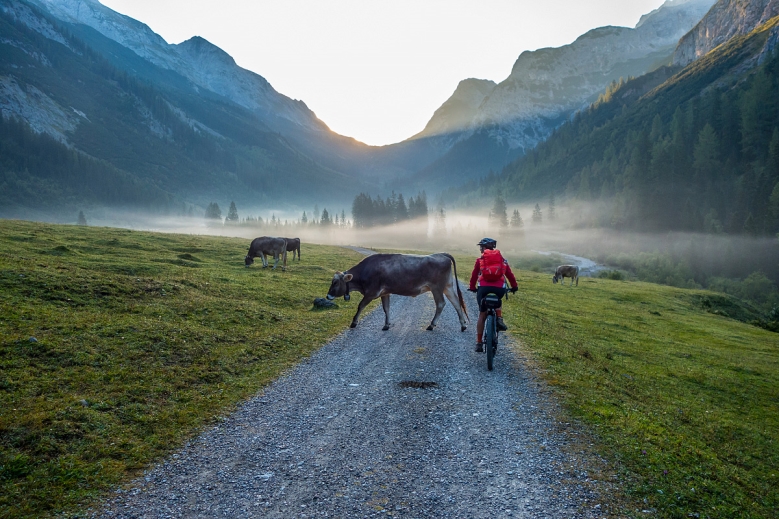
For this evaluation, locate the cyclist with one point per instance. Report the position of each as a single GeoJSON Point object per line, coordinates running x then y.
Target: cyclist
{"type": "Point", "coordinates": [491, 270]}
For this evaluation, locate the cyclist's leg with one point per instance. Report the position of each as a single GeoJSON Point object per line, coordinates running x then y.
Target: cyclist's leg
{"type": "Point", "coordinates": [480, 293]}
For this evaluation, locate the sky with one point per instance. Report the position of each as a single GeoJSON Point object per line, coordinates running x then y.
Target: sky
{"type": "Point", "coordinates": [377, 70]}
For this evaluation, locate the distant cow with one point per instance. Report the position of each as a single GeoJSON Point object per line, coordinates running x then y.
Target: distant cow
{"type": "Point", "coordinates": [270, 246]}
{"type": "Point", "coordinates": [380, 275]}
{"type": "Point", "coordinates": [293, 244]}
{"type": "Point", "coordinates": [566, 271]}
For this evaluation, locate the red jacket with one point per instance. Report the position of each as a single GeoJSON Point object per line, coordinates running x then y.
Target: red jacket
{"type": "Point", "coordinates": [476, 275]}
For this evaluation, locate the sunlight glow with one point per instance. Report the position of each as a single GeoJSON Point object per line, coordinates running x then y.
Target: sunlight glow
{"type": "Point", "coordinates": [377, 71]}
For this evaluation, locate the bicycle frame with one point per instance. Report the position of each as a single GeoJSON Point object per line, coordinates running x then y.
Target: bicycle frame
{"type": "Point", "coordinates": [490, 336]}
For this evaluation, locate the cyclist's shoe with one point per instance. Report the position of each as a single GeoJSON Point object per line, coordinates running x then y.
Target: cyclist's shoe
{"type": "Point", "coordinates": [479, 347]}
{"type": "Point", "coordinates": [500, 325]}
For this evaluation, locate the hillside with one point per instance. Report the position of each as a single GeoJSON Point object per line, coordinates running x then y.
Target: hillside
{"type": "Point", "coordinates": [696, 151]}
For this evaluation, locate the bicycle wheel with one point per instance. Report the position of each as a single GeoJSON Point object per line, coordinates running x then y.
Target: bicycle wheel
{"type": "Point", "coordinates": [489, 331]}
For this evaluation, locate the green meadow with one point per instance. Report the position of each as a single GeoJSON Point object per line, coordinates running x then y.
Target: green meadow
{"type": "Point", "coordinates": [683, 400]}
{"type": "Point", "coordinates": [116, 346]}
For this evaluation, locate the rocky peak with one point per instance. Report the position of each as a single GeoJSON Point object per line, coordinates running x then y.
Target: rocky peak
{"type": "Point", "coordinates": [547, 85]}
{"type": "Point", "coordinates": [726, 19]}
{"type": "Point", "coordinates": [204, 64]}
{"type": "Point", "coordinates": [459, 110]}
{"type": "Point", "coordinates": [200, 48]}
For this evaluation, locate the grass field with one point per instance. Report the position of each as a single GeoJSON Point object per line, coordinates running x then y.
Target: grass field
{"type": "Point", "coordinates": [685, 401]}
{"type": "Point", "coordinates": [117, 345]}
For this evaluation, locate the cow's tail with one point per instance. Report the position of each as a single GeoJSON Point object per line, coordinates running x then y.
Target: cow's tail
{"type": "Point", "coordinates": [457, 284]}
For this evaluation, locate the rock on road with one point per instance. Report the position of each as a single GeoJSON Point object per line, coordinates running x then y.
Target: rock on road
{"type": "Point", "coordinates": [340, 436]}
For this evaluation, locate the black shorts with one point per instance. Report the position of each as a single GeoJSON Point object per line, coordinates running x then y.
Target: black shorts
{"type": "Point", "coordinates": [483, 291]}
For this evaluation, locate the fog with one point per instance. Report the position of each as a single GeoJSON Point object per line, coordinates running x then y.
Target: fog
{"type": "Point", "coordinates": [703, 255]}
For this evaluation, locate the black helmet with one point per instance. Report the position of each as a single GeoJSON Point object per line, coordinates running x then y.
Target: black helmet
{"type": "Point", "coordinates": [487, 243]}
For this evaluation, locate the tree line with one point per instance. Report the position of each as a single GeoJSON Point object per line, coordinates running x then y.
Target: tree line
{"type": "Point", "coordinates": [370, 212]}
{"type": "Point", "coordinates": [213, 213]}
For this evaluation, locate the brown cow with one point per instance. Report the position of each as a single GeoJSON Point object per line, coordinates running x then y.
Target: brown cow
{"type": "Point", "coordinates": [380, 275]}
{"type": "Point", "coordinates": [267, 245]}
{"type": "Point", "coordinates": [293, 244]}
{"type": "Point", "coordinates": [566, 271]}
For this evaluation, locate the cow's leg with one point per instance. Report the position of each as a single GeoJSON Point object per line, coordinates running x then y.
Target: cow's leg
{"type": "Point", "coordinates": [451, 295]}
{"type": "Point", "coordinates": [264, 260]}
{"type": "Point", "coordinates": [360, 308]}
{"type": "Point", "coordinates": [284, 264]}
{"type": "Point", "coordinates": [577, 280]}
{"type": "Point", "coordinates": [440, 303]}
{"type": "Point", "coordinates": [385, 303]}
{"type": "Point", "coordinates": [275, 260]}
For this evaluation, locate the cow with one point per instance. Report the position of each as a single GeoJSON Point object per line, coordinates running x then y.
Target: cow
{"type": "Point", "coordinates": [566, 271]}
{"type": "Point", "coordinates": [293, 244]}
{"type": "Point", "coordinates": [267, 245]}
{"type": "Point", "coordinates": [380, 275]}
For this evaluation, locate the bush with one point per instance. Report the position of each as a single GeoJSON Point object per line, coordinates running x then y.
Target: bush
{"type": "Point", "coordinates": [616, 275]}
{"type": "Point", "coordinates": [535, 262]}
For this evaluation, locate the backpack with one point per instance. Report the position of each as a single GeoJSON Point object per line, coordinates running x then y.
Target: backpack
{"type": "Point", "coordinates": [492, 265]}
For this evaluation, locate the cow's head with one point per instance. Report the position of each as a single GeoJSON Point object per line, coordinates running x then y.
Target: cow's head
{"type": "Point", "coordinates": [555, 278]}
{"type": "Point", "coordinates": [340, 286]}
{"type": "Point", "coordinates": [248, 260]}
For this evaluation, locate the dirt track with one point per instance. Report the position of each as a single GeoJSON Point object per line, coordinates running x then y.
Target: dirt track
{"type": "Point", "coordinates": [340, 436]}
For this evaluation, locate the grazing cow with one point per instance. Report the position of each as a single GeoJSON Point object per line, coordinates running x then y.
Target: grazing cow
{"type": "Point", "coordinates": [293, 244]}
{"type": "Point", "coordinates": [267, 245]}
{"type": "Point", "coordinates": [380, 275]}
{"type": "Point", "coordinates": [566, 271]}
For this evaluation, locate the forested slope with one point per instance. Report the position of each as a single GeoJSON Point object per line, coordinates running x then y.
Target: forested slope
{"type": "Point", "coordinates": [696, 152]}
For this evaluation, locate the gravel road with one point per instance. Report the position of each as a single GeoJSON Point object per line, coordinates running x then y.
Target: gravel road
{"type": "Point", "coordinates": [341, 436]}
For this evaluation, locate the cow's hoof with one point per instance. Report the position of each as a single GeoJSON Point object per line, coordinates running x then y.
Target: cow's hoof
{"type": "Point", "coordinates": [463, 328]}
{"type": "Point", "coordinates": [430, 328]}
{"type": "Point", "coordinates": [386, 327]}
{"type": "Point", "coordinates": [353, 325]}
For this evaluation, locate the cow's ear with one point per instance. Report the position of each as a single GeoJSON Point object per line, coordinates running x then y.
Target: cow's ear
{"type": "Point", "coordinates": [348, 277]}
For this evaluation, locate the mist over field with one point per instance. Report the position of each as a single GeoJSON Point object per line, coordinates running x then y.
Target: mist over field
{"type": "Point", "coordinates": [685, 259]}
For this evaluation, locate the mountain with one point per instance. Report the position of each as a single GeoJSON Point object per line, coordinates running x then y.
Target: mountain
{"type": "Point", "coordinates": [690, 149]}
{"type": "Point", "coordinates": [724, 21]}
{"type": "Point", "coordinates": [545, 88]}
{"type": "Point", "coordinates": [165, 127]}
{"type": "Point", "coordinates": [184, 125]}
{"type": "Point", "coordinates": [203, 64]}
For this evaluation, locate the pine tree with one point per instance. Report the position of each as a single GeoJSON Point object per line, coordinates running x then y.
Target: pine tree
{"type": "Point", "coordinates": [440, 222]}
{"type": "Point", "coordinates": [537, 216]}
{"type": "Point", "coordinates": [516, 220]}
{"type": "Point", "coordinates": [232, 214]}
{"type": "Point", "coordinates": [401, 212]}
{"type": "Point", "coordinates": [82, 220]}
{"type": "Point", "coordinates": [706, 153]}
{"type": "Point", "coordinates": [551, 214]}
{"type": "Point", "coordinates": [304, 219]}
{"type": "Point", "coordinates": [213, 212]}
{"type": "Point", "coordinates": [325, 218]}
{"type": "Point", "coordinates": [498, 213]}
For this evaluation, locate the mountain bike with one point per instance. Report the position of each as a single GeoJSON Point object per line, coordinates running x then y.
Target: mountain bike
{"type": "Point", "coordinates": [490, 338]}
